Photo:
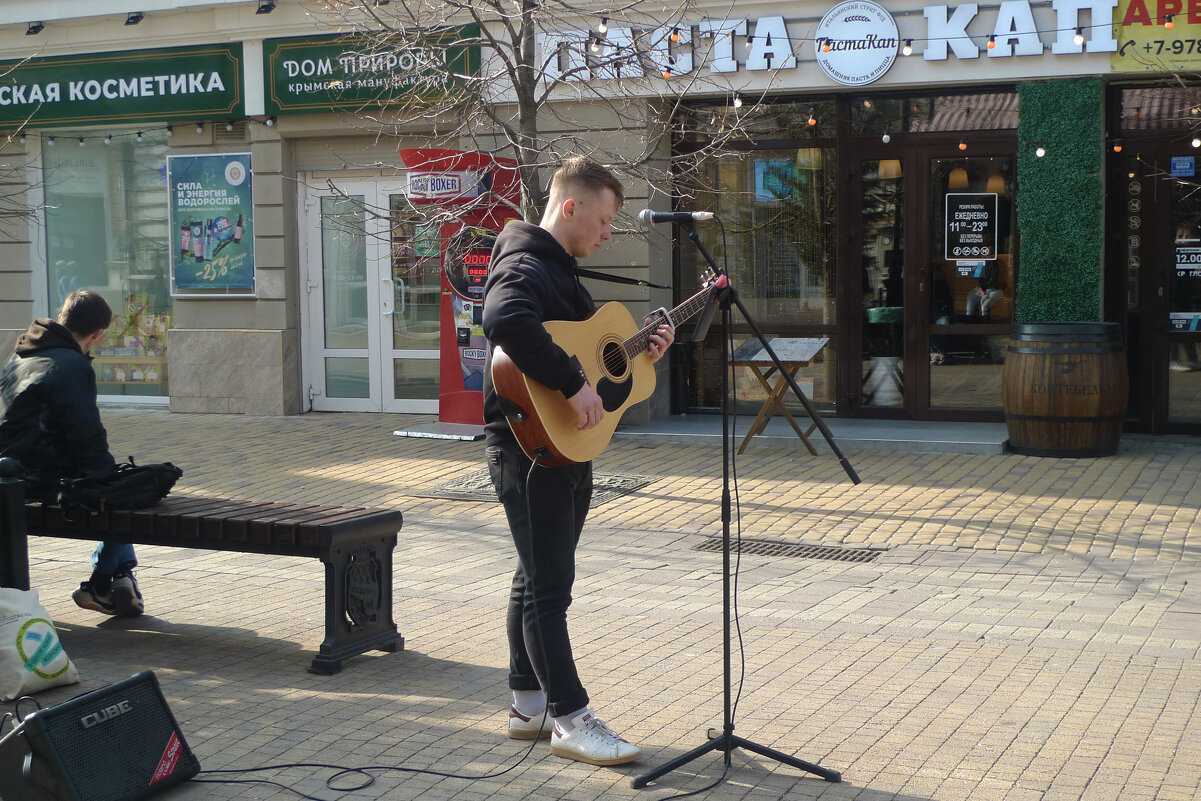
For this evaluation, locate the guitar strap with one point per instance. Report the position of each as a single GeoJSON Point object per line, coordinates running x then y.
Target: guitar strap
{"type": "Point", "coordinates": [616, 279]}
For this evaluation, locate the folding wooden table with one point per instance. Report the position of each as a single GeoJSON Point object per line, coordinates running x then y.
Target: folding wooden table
{"type": "Point", "coordinates": [794, 354]}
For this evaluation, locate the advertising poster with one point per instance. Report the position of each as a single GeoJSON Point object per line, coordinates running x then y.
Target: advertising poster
{"type": "Point", "coordinates": [211, 207]}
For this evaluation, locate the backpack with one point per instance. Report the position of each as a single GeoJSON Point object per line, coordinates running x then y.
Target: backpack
{"type": "Point", "coordinates": [127, 486]}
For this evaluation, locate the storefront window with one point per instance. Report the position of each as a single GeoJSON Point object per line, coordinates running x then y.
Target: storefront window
{"type": "Point", "coordinates": [106, 230]}
{"type": "Point", "coordinates": [777, 206]}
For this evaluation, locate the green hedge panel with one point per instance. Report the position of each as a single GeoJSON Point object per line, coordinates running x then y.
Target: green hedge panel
{"type": "Point", "coordinates": [1060, 201]}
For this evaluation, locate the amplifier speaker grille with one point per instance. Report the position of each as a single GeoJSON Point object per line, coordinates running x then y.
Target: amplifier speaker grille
{"type": "Point", "coordinates": [118, 743]}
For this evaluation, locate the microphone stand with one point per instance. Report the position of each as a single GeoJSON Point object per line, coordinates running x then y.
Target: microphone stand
{"type": "Point", "coordinates": [727, 741]}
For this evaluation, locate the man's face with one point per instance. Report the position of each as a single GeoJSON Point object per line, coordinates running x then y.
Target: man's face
{"type": "Point", "coordinates": [590, 218]}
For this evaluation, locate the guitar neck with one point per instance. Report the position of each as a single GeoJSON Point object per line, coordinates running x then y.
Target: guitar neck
{"type": "Point", "coordinates": [636, 344]}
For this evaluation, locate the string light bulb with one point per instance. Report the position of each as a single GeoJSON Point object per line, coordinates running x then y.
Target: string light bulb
{"type": "Point", "coordinates": [675, 34]}
{"type": "Point", "coordinates": [907, 50]}
{"type": "Point", "coordinates": [81, 143]}
{"type": "Point", "coordinates": [1168, 22]}
{"type": "Point", "coordinates": [200, 127]}
{"type": "Point", "coordinates": [963, 144]}
{"type": "Point", "coordinates": [1079, 37]}
{"type": "Point", "coordinates": [826, 48]}
{"type": "Point", "coordinates": [992, 41]}
{"type": "Point", "coordinates": [737, 100]}
{"type": "Point", "coordinates": [138, 137]}
{"type": "Point", "coordinates": [1040, 151]}
{"type": "Point", "coordinates": [595, 46]}
{"type": "Point", "coordinates": [1117, 146]}
{"type": "Point", "coordinates": [229, 127]}
{"type": "Point", "coordinates": [50, 141]}
{"type": "Point", "coordinates": [887, 137]}
{"type": "Point", "coordinates": [269, 122]}
{"type": "Point", "coordinates": [21, 138]}
{"type": "Point", "coordinates": [812, 119]}
{"type": "Point", "coordinates": [170, 131]}
{"type": "Point", "coordinates": [604, 25]}
{"type": "Point", "coordinates": [108, 140]}
{"type": "Point", "coordinates": [1196, 141]}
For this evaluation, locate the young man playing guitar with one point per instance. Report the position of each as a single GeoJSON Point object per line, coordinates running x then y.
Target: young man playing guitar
{"type": "Point", "coordinates": [533, 280]}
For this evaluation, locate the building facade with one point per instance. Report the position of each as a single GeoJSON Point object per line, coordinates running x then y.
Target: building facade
{"type": "Point", "coordinates": [258, 231]}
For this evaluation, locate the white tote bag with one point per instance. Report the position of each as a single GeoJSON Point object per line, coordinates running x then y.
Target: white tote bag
{"type": "Point", "coordinates": [32, 658]}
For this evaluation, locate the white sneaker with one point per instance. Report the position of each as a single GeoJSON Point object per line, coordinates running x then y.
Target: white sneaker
{"type": "Point", "coordinates": [593, 742]}
{"type": "Point", "coordinates": [523, 728]}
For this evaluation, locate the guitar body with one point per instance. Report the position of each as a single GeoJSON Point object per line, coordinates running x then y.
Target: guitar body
{"type": "Point", "coordinates": [542, 417]}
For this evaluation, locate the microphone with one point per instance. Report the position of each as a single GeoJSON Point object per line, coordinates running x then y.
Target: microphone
{"type": "Point", "coordinates": [646, 217]}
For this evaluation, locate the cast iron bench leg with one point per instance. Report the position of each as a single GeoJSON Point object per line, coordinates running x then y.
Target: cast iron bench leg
{"type": "Point", "coordinates": [358, 603]}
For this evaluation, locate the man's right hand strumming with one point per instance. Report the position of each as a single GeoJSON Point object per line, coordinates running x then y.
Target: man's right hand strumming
{"type": "Point", "coordinates": [588, 407]}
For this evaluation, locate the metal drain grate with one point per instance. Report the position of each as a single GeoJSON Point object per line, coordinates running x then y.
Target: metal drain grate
{"type": "Point", "coordinates": [792, 550]}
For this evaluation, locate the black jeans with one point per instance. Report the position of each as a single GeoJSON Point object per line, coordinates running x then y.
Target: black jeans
{"type": "Point", "coordinates": [545, 531]}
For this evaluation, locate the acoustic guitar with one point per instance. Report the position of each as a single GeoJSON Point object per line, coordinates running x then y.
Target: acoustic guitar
{"type": "Point", "coordinates": [611, 350]}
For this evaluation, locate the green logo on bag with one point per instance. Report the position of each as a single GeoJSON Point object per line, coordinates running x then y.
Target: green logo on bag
{"type": "Point", "coordinates": [44, 649]}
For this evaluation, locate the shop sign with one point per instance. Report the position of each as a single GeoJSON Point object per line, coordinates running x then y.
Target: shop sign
{"type": "Point", "coordinates": [856, 42]}
{"type": "Point", "coordinates": [971, 220]}
{"type": "Point", "coordinates": [1147, 45]}
{"type": "Point", "coordinates": [130, 86]}
{"type": "Point", "coordinates": [347, 72]}
{"type": "Point", "coordinates": [211, 212]}
{"type": "Point", "coordinates": [1184, 166]}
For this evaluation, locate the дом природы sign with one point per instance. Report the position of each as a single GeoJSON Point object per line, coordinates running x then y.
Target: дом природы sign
{"type": "Point", "coordinates": [211, 219]}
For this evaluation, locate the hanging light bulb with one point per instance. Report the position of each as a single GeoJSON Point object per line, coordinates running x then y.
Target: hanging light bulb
{"type": "Point", "coordinates": [963, 144]}
{"type": "Point", "coordinates": [1117, 146]}
{"type": "Point", "coordinates": [887, 137]}
{"type": "Point", "coordinates": [170, 131]}
{"type": "Point", "coordinates": [229, 127]}
{"type": "Point", "coordinates": [826, 46]}
{"type": "Point", "coordinates": [750, 40]}
{"type": "Point", "coordinates": [675, 34]}
{"type": "Point", "coordinates": [200, 127]}
{"type": "Point", "coordinates": [992, 41]}
{"type": "Point", "coordinates": [21, 138]}
{"type": "Point", "coordinates": [737, 100]}
{"type": "Point", "coordinates": [1197, 141]}
{"type": "Point", "coordinates": [1040, 151]}
{"type": "Point", "coordinates": [1195, 111]}
{"type": "Point", "coordinates": [108, 140]}
{"type": "Point", "coordinates": [1168, 22]}
{"type": "Point", "coordinates": [604, 25]}
{"type": "Point", "coordinates": [50, 141]}
{"type": "Point", "coordinates": [867, 102]}
{"type": "Point", "coordinates": [269, 122]}
{"type": "Point", "coordinates": [595, 46]}
{"type": "Point", "coordinates": [81, 144]}
{"type": "Point", "coordinates": [812, 119]}
{"type": "Point", "coordinates": [907, 50]}
{"type": "Point", "coordinates": [138, 137]}
{"type": "Point", "coordinates": [1079, 37]}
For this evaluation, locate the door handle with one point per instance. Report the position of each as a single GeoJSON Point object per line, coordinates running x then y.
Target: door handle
{"type": "Point", "coordinates": [387, 292]}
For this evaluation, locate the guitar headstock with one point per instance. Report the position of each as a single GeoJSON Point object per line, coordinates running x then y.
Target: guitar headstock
{"type": "Point", "coordinates": [710, 279]}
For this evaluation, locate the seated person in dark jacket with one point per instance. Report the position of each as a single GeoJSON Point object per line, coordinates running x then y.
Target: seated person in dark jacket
{"type": "Point", "coordinates": [50, 423]}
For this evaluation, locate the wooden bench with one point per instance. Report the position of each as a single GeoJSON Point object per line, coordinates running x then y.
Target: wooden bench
{"type": "Point", "coordinates": [355, 544]}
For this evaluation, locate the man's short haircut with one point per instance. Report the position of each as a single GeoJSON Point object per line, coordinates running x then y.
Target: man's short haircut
{"type": "Point", "coordinates": [85, 312]}
{"type": "Point", "coordinates": [584, 173]}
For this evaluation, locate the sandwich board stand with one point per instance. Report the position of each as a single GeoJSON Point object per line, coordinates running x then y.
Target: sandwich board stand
{"type": "Point", "coordinates": [471, 197]}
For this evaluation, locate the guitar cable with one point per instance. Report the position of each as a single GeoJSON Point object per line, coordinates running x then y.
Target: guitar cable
{"type": "Point", "coordinates": [342, 771]}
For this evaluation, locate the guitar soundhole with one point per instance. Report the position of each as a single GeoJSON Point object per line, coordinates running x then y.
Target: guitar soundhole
{"type": "Point", "coordinates": [613, 358]}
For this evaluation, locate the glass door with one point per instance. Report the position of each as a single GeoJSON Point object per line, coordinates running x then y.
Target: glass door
{"type": "Point", "coordinates": [936, 296]}
{"type": "Point", "coordinates": [372, 282]}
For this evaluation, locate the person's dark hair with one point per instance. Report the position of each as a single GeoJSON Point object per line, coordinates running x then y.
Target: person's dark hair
{"type": "Point", "coordinates": [582, 172]}
{"type": "Point", "coordinates": [85, 312]}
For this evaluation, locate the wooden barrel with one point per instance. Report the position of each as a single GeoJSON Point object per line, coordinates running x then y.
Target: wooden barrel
{"type": "Point", "coordinates": [1064, 389]}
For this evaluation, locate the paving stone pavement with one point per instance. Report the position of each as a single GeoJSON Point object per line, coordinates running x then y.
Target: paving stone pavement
{"type": "Point", "coordinates": [1031, 629]}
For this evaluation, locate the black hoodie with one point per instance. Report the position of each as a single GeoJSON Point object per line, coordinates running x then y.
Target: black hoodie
{"type": "Point", "coordinates": [49, 420]}
{"type": "Point", "coordinates": [532, 280]}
